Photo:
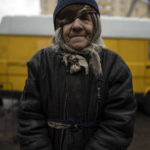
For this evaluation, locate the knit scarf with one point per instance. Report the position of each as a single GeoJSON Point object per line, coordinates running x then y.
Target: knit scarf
{"type": "Point", "coordinates": [77, 59]}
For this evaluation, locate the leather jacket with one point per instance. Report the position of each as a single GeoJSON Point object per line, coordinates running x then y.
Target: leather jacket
{"type": "Point", "coordinates": [51, 92]}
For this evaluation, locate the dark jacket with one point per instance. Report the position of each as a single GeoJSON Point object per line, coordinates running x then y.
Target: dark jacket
{"type": "Point", "coordinates": [51, 92]}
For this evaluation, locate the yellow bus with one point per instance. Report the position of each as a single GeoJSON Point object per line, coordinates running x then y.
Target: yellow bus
{"type": "Point", "coordinates": [22, 36]}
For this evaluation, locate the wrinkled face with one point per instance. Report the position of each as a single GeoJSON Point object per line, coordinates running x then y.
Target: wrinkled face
{"type": "Point", "coordinates": [78, 33]}
{"type": "Point", "coordinates": [77, 25]}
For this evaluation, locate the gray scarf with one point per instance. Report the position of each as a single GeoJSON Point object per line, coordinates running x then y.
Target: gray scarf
{"type": "Point", "coordinates": [77, 58]}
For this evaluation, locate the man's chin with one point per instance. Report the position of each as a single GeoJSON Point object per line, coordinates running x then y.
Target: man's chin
{"type": "Point", "coordinates": [78, 45]}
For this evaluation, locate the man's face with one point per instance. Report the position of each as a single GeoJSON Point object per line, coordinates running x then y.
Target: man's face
{"type": "Point", "coordinates": [78, 32]}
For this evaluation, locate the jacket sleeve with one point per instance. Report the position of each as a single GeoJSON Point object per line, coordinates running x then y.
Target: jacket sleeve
{"type": "Point", "coordinates": [33, 129]}
{"type": "Point", "coordinates": [116, 128]}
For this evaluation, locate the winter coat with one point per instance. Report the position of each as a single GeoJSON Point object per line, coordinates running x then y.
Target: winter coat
{"type": "Point", "coordinates": [51, 92]}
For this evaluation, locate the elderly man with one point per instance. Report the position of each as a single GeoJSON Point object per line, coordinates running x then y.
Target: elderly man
{"type": "Point", "coordinates": [78, 95]}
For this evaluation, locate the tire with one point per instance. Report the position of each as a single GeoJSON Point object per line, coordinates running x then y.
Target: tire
{"type": "Point", "coordinates": [146, 104]}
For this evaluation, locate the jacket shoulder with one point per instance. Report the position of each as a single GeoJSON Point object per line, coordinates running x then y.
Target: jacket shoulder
{"type": "Point", "coordinates": [111, 54]}
{"type": "Point", "coordinates": [37, 60]}
{"type": "Point", "coordinates": [111, 58]}
{"type": "Point", "coordinates": [114, 67]}
{"type": "Point", "coordinates": [43, 52]}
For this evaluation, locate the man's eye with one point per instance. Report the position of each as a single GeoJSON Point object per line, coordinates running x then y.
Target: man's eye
{"type": "Point", "coordinates": [70, 19]}
{"type": "Point", "coordinates": [84, 17]}
{"type": "Point", "coordinates": [67, 21]}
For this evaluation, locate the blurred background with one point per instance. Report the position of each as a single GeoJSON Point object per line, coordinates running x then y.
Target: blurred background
{"type": "Point", "coordinates": [26, 26]}
{"type": "Point", "coordinates": [126, 8]}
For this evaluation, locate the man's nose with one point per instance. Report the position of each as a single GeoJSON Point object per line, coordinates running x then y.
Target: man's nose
{"type": "Point", "coordinates": [77, 24]}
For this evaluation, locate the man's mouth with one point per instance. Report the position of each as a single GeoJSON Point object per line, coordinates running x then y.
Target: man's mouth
{"type": "Point", "coordinates": [77, 36]}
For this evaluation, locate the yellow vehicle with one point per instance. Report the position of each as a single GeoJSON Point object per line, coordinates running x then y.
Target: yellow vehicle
{"type": "Point", "coordinates": [21, 37]}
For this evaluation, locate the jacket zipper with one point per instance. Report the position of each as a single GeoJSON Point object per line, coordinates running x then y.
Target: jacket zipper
{"type": "Point", "coordinates": [65, 107]}
{"type": "Point", "coordinates": [98, 101]}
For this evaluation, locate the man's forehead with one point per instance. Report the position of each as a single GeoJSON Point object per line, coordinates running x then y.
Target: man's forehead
{"type": "Point", "coordinates": [73, 9]}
